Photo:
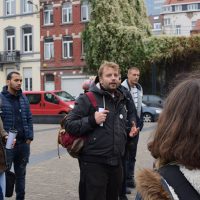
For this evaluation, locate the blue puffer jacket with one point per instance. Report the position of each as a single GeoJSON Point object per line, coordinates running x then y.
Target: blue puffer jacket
{"type": "Point", "coordinates": [7, 113]}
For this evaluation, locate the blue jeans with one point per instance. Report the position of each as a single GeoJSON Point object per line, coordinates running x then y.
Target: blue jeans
{"type": "Point", "coordinates": [2, 185]}
{"type": "Point", "coordinates": [19, 156]}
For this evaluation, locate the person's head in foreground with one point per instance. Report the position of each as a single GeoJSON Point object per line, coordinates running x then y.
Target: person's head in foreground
{"type": "Point", "coordinates": [176, 147]}
{"type": "Point", "coordinates": [177, 138]}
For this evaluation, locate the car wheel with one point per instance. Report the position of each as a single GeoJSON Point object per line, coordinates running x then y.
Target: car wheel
{"type": "Point", "coordinates": [147, 117]}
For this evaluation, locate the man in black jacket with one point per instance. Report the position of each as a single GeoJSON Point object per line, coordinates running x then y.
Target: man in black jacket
{"type": "Point", "coordinates": [105, 130]}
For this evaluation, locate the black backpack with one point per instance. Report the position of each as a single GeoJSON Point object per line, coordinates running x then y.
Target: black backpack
{"type": "Point", "coordinates": [176, 179]}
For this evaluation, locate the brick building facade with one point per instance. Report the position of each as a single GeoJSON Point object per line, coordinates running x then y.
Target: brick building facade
{"type": "Point", "coordinates": [62, 59]}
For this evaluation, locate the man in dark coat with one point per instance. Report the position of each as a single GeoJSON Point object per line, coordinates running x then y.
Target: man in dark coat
{"type": "Point", "coordinates": [106, 133]}
{"type": "Point", "coordinates": [16, 115]}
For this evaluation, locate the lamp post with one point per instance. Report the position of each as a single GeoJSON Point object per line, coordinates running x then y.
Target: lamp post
{"type": "Point", "coordinates": [31, 2]}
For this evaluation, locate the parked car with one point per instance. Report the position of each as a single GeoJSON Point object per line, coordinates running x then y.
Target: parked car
{"type": "Point", "coordinates": [153, 100]}
{"type": "Point", "coordinates": [50, 102]}
{"type": "Point", "coordinates": [150, 114]}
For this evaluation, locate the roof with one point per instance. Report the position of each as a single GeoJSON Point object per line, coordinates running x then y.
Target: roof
{"type": "Point", "coordinates": [168, 2]}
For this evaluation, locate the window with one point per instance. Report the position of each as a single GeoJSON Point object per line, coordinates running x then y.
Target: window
{"type": "Point", "coordinates": [10, 40]}
{"type": "Point", "coordinates": [27, 7]}
{"type": "Point", "coordinates": [51, 98]}
{"type": "Point", "coordinates": [34, 98]}
{"type": "Point", "coordinates": [167, 8]}
{"type": "Point", "coordinates": [157, 26]}
{"type": "Point", "coordinates": [65, 96]}
{"type": "Point", "coordinates": [27, 74]}
{"type": "Point", "coordinates": [184, 7]}
{"type": "Point", "coordinates": [27, 40]}
{"type": "Point", "coordinates": [10, 7]}
{"type": "Point", "coordinates": [167, 21]}
{"type": "Point", "coordinates": [49, 82]}
{"type": "Point", "coordinates": [193, 23]}
{"type": "Point", "coordinates": [84, 12]}
{"type": "Point", "coordinates": [178, 8]}
{"type": "Point", "coordinates": [67, 13]}
{"type": "Point", "coordinates": [48, 14]}
{"type": "Point", "coordinates": [193, 6]}
{"type": "Point", "coordinates": [67, 47]}
{"type": "Point", "coordinates": [178, 29]}
{"type": "Point", "coordinates": [48, 49]}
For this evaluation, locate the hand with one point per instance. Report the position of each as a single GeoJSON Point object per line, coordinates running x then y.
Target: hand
{"type": "Point", "coordinates": [28, 141]}
{"type": "Point", "coordinates": [100, 117]}
{"type": "Point", "coordinates": [14, 141]}
{"type": "Point", "coordinates": [134, 130]}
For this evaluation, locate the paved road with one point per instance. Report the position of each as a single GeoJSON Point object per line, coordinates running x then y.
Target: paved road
{"type": "Point", "coordinates": [51, 178]}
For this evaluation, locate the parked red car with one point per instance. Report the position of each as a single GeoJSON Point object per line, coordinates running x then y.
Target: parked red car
{"type": "Point", "coordinates": [50, 102]}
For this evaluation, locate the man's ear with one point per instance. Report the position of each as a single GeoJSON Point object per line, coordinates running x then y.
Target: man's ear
{"type": "Point", "coordinates": [7, 82]}
{"type": "Point", "coordinates": [100, 80]}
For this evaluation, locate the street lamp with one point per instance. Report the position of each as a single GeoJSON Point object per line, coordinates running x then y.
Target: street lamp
{"type": "Point", "coordinates": [31, 2]}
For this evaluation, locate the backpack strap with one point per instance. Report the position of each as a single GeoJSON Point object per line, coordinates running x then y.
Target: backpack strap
{"type": "Point", "coordinates": [176, 179]}
{"type": "Point", "coordinates": [92, 99]}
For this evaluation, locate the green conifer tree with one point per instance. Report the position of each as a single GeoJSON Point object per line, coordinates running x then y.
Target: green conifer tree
{"type": "Point", "coordinates": [115, 32]}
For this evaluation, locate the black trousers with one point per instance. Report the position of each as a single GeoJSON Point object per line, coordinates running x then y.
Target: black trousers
{"type": "Point", "coordinates": [99, 181]}
{"type": "Point", "coordinates": [131, 157]}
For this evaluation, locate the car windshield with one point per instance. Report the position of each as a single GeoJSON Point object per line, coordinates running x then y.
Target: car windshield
{"type": "Point", "coordinates": [65, 96]}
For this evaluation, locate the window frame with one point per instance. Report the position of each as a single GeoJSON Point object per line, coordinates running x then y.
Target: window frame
{"type": "Point", "coordinates": [48, 49]}
{"type": "Point", "coordinates": [27, 7]}
{"type": "Point", "coordinates": [10, 39]}
{"type": "Point", "coordinates": [167, 21]}
{"type": "Point", "coordinates": [66, 47]}
{"type": "Point", "coordinates": [10, 6]}
{"type": "Point", "coordinates": [48, 11]}
{"type": "Point", "coordinates": [67, 9]}
{"type": "Point", "coordinates": [29, 37]}
{"type": "Point", "coordinates": [86, 7]}
{"type": "Point", "coordinates": [178, 29]}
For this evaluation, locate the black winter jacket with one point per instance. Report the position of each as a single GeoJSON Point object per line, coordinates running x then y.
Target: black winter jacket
{"type": "Point", "coordinates": [105, 144]}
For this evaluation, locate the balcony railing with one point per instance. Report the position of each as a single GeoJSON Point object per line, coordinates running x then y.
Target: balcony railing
{"type": "Point", "coordinates": [9, 57]}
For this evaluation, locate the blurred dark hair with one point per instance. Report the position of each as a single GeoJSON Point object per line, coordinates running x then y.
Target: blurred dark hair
{"type": "Point", "coordinates": [9, 76]}
{"type": "Point", "coordinates": [177, 138]}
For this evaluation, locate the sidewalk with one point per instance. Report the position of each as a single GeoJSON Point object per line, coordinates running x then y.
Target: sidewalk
{"type": "Point", "coordinates": [48, 177]}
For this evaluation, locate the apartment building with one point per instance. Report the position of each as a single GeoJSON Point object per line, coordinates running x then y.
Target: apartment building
{"type": "Point", "coordinates": [154, 7]}
{"type": "Point", "coordinates": [180, 16]}
{"type": "Point", "coordinates": [19, 41]}
{"type": "Point", "coordinates": [156, 22]}
{"type": "Point", "coordinates": [196, 29]}
{"type": "Point", "coordinates": [62, 49]}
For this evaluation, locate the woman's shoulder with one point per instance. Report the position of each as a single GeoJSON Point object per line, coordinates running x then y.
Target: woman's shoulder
{"type": "Point", "coordinates": [149, 185]}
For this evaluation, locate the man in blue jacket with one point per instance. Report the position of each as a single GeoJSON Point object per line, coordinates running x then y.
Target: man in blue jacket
{"type": "Point", "coordinates": [16, 115]}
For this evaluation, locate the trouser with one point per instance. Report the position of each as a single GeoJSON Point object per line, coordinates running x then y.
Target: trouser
{"type": "Point", "coordinates": [131, 157]}
{"type": "Point", "coordinates": [2, 185]}
{"type": "Point", "coordinates": [123, 188]}
{"type": "Point", "coordinates": [99, 181]}
{"type": "Point", "coordinates": [19, 156]}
